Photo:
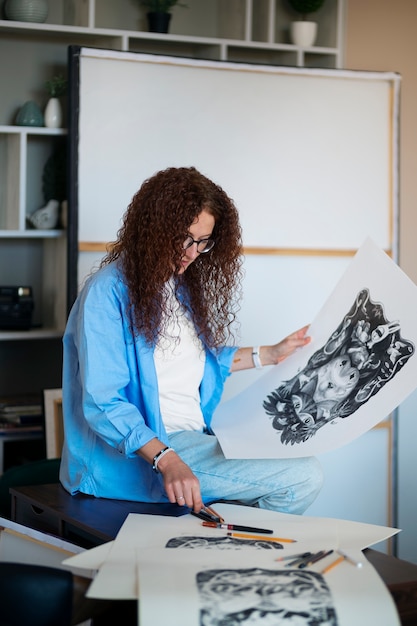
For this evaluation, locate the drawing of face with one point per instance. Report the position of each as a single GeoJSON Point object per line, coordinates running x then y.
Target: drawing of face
{"type": "Point", "coordinates": [304, 413]}
{"type": "Point", "coordinates": [336, 380]}
{"type": "Point", "coordinates": [262, 597]}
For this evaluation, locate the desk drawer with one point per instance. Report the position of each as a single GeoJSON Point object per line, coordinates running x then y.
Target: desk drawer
{"type": "Point", "coordinates": [29, 514]}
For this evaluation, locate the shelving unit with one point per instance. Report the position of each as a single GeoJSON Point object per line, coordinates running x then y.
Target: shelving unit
{"type": "Point", "coordinates": [23, 153]}
{"type": "Point", "coordinates": [227, 30]}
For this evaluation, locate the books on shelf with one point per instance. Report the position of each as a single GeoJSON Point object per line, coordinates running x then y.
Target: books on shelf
{"type": "Point", "coordinates": [7, 428]}
{"type": "Point", "coordinates": [21, 412]}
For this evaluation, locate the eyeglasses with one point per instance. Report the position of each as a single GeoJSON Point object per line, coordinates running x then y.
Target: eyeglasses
{"type": "Point", "coordinates": [203, 245]}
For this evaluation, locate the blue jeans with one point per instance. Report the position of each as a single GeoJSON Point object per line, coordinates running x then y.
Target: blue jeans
{"type": "Point", "coordinates": [284, 485]}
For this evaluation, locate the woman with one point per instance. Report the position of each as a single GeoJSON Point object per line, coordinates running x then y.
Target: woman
{"type": "Point", "coordinates": [146, 358]}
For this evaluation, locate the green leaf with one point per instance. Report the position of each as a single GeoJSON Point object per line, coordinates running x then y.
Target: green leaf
{"type": "Point", "coordinates": [57, 86]}
{"type": "Point", "coordinates": [305, 7]}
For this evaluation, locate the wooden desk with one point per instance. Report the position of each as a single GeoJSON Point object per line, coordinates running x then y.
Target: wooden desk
{"type": "Point", "coordinates": [83, 520]}
{"type": "Point", "coordinates": [89, 521]}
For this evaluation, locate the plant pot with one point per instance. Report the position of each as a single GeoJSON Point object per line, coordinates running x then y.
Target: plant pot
{"type": "Point", "coordinates": [158, 22]}
{"type": "Point", "coordinates": [303, 34]}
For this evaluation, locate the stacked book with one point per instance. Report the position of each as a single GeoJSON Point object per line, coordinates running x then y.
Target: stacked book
{"type": "Point", "coordinates": [19, 413]}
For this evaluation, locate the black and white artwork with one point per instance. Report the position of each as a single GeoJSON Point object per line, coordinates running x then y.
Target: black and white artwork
{"type": "Point", "coordinates": [156, 557]}
{"type": "Point", "coordinates": [359, 366]}
{"type": "Point", "coordinates": [222, 542]}
{"type": "Point", "coordinates": [363, 355]}
{"type": "Point", "coordinates": [265, 597]}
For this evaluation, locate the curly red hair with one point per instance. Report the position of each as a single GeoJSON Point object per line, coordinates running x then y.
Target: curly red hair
{"type": "Point", "coordinates": [149, 247]}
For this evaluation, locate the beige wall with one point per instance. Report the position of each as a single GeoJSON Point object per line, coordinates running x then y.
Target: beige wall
{"type": "Point", "coordinates": [381, 35]}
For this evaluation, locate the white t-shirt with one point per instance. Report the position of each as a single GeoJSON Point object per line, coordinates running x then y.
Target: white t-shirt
{"type": "Point", "coordinates": [179, 361]}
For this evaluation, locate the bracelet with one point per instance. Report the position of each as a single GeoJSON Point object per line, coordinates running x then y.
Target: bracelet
{"type": "Point", "coordinates": [159, 456]}
{"type": "Point", "coordinates": [256, 358]}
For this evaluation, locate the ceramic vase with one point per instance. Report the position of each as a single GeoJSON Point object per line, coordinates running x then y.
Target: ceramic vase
{"type": "Point", "coordinates": [303, 34]}
{"type": "Point", "coordinates": [26, 10]}
{"type": "Point", "coordinates": [53, 113]}
{"type": "Point", "coordinates": [29, 115]}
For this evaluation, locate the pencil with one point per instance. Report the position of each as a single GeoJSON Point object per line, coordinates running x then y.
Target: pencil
{"type": "Point", "coordinates": [314, 558]}
{"type": "Point", "coordinates": [260, 538]}
{"type": "Point", "coordinates": [249, 529]}
{"type": "Point", "coordinates": [296, 562]}
{"type": "Point", "coordinates": [332, 565]}
{"type": "Point", "coordinates": [213, 512]}
{"type": "Point", "coordinates": [349, 558]}
{"type": "Point", "coordinates": [295, 557]}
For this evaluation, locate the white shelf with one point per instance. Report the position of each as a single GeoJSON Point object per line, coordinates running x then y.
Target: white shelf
{"type": "Point", "coordinates": [31, 234]}
{"type": "Point", "coordinates": [245, 26]}
{"type": "Point", "coordinates": [32, 130]}
{"type": "Point", "coordinates": [214, 48]}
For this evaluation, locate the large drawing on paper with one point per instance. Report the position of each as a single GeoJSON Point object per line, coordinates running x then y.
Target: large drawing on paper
{"type": "Point", "coordinates": [364, 353]}
{"type": "Point", "coordinates": [359, 366]}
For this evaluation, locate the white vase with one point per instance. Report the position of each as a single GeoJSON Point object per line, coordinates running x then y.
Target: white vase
{"type": "Point", "coordinates": [303, 34]}
{"type": "Point", "coordinates": [53, 113]}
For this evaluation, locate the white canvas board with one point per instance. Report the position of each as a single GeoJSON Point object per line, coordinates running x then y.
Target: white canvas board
{"type": "Point", "coordinates": [360, 365]}
{"type": "Point", "coordinates": [253, 138]}
{"type": "Point", "coordinates": [216, 589]}
{"type": "Point", "coordinates": [117, 577]}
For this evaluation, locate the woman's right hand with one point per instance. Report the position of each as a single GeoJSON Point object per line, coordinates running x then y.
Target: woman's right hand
{"type": "Point", "coordinates": [181, 485]}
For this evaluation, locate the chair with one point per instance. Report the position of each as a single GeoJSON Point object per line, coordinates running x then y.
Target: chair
{"type": "Point", "coordinates": [33, 473]}
{"type": "Point", "coordinates": [35, 595]}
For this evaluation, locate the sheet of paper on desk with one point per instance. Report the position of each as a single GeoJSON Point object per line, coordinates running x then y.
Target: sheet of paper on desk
{"type": "Point", "coordinates": [360, 365]}
{"type": "Point", "coordinates": [117, 578]}
{"type": "Point", "coordinates": [216, 588]}
{"type": "Point", "coordinates": [91, 559]}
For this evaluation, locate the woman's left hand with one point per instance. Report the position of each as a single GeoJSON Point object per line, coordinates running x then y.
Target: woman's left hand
{"type": "Point", "coordinates": [271, 355]}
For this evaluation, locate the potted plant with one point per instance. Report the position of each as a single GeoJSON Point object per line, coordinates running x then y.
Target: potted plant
{"type": "Point", "coordinates": [303, 32]}
{"type": "Point", "coordinates": [56, 88]}
{"type": "Point", "coordinates": [159, 15]}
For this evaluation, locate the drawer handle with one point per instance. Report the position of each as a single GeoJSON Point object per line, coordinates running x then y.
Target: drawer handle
{"type": "Point", "coordinates": [36, 510]}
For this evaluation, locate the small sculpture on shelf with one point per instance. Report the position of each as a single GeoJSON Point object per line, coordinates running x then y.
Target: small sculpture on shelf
{"type": "Point", "coordinates": [56, 87]}
{"type": "Point", "coordinates": [46, 217]}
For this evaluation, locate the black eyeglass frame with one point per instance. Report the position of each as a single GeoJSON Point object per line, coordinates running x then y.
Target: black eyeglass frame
{"type": "Point", "coordinates": [207, 241]}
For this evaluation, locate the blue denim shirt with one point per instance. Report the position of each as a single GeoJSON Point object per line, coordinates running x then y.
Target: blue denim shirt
{"type": "Point", "coordinates": [110, 395]}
